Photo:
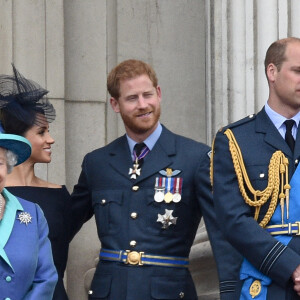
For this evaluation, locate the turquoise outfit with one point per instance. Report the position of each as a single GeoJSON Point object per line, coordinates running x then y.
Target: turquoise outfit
{"type": "Point", "coordinates": [27, 271]}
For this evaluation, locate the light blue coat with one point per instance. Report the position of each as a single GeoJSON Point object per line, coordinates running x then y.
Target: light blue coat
{"type": "Point", "coordinates": [27, 271]}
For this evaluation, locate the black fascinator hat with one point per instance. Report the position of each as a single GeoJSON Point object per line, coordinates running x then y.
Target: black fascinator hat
{"type": "Point", "coordinates": [23, 100]}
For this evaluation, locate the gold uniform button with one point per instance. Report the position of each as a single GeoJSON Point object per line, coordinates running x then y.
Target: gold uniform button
{"type": "Point", "coordinates": [132, 243]}
{"type": "Point", "coordinates": [103, 201]}
{"type": "Point", "coordinates": [181, 295]}
{"type": "Point", "coordinates": [135, 188]}
{"type": "Point", "coordinates": [90, 292]}
{"type": "Point", "coordinates": [133, 215]}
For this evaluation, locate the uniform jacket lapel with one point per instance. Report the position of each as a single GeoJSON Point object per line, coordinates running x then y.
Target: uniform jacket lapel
{"type": "Point", "coordinates": [120, 157]}
{"type": "Point", "coordinates": [160, 157]}
{"type": "Point", "coordinates": [157, 159]}
{"type": "Point", "coordinates": [272, 136]}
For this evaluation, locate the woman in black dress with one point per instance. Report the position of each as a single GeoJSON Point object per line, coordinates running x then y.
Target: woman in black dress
{"type": "Point", "coordinates": [25, 112]}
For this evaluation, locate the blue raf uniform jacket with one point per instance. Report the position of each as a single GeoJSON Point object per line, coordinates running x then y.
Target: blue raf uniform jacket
{"type": "Point", "coordinates": [126, 215]}
{"type": "Point", "coordinates": [258, 139]}
{"type": "Point", "coordinates": [27, 270]}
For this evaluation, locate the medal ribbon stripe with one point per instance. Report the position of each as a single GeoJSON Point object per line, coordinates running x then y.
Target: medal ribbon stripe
{"type": "Point", "coordinates": [156, 182]}
{"type": "Point", "coordinates": [159, 184]}
{"type": "Point", "coordinates": [169, 184]}
{"type": "Point", "coordinates": [180, 185]}
{"type": "Point", "coordinates": [143, 153]}
{"type": "Point", "coordinates": [177, 188]}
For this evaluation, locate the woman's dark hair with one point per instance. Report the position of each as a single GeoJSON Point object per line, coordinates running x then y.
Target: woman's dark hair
{"type": "Point", "coordinates": [13, 125]}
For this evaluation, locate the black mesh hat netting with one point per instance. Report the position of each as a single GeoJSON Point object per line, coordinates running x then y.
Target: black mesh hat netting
{"type": "Point", "coordinates": [23, 99]}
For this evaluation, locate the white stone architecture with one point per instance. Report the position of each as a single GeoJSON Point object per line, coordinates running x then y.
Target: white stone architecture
{"type": "Point", "coordinates": [208, 55]}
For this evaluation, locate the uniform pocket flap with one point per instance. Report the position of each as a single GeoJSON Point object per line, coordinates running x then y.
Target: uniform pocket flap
{"type": "Point", "coordinates": [107, 196]}
{"type": "Point", "coordinates": [100, 287]}
{"type": "Point", "coordinates": [167, 287]}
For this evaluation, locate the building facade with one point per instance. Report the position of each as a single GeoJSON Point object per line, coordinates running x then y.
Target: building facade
{"type": "Point", "coordinates": [208, 55]}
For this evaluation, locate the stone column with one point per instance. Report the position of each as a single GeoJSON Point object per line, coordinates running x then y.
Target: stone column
{"type": "Point", "coordinates": [85, 67]}
{"type": "Point", "coordinates": [168, 34]}
{"type": "Point", "coordinates": [238, 35]}
{"type": "Point", "coordinates": [31, 36]}
{"type": "Point", "coordinates": [208, 56]}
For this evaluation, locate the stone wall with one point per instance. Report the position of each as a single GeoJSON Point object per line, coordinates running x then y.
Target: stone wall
{"type": "Point", "coordinates": [208, 55]}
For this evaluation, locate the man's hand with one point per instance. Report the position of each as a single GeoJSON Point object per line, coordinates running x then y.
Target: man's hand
{"type": "Point", "coordinates": [296, 279]}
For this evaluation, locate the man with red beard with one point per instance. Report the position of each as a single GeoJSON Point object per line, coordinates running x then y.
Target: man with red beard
{"type": "Point", "coordinates": [148, 190]}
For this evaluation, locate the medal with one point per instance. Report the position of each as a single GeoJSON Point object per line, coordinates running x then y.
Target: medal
{"type": "Point", "coordinates": [168, 196]}
{"type": "Point", "coordinates": [159, 189]}
{"type": "Point", "coordinates": [159, 196]}
{"type": "Point", "coordinates": [135, 171]}
{"type": "Point", "coordinates": [25, 218]}
{"type": "Point", "coordinates": [168, 188]}
{"type": "Point", "coordinates": [177, 195]}
{"type": "Point", "coordinates": [255, 288]}
{"type": "Point", "coordinates": [167, 219]}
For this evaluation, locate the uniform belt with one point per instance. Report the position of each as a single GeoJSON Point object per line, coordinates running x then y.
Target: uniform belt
{"type": "Point", "coordinates": [289, 229]}
{"type": "Point", "coordinates": [140, 258]}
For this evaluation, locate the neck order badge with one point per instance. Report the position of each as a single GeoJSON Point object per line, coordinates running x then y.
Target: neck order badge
{"type": "Point", "coordinates": [139, 152]}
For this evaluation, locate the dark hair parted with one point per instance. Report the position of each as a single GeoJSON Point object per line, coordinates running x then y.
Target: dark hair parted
{"type": "Point", "coordinates": [276, 52]}
{"type": "Point", "coordinates": [128, 69]}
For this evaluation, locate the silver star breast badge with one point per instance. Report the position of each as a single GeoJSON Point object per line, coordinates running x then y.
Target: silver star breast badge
{"type": "Point", "coordinates": [167, 219]}
{"type": "Point", "coordinates": [25, 218]}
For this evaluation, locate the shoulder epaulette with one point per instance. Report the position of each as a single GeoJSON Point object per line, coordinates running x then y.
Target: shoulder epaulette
{"type": "Point", "coordinates": [239, 122]}
{"type": "Point", "coordinates": [223, 129]}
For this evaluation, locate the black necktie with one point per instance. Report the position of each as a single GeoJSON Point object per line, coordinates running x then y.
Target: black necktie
{"type": "Point", "coordinates": [138, 149]}
{"type": "Point", "coordinates": [288, 134]}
